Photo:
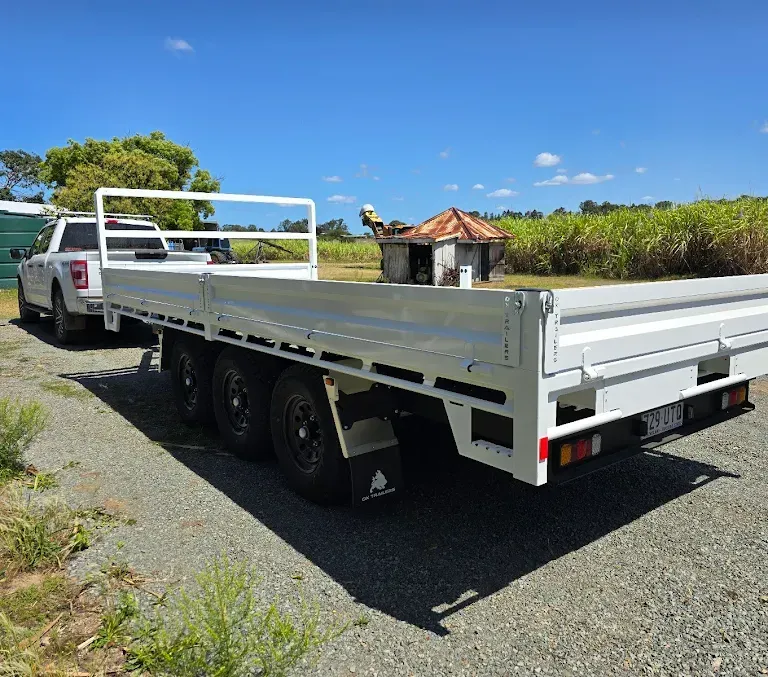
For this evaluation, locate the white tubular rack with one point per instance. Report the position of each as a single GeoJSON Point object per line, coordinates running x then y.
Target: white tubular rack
{"type": "Point", "coordinates": [310, 236]}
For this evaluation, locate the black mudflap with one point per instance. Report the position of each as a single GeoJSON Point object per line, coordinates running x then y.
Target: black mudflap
{"type": "Point", "coordinates": [376, 476]}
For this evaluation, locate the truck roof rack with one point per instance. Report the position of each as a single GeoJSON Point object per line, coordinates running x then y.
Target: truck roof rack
{"type": "Point", "coordinates": [66, 212]}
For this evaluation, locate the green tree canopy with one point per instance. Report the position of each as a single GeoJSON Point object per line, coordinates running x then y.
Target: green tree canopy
{"type": "Point", "coordinates": [76, 170]}
{"type": "Point", "coordinates": [20, 176]}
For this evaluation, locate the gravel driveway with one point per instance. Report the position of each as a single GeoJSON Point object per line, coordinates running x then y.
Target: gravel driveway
{"type": "Point", "coordinates": [656, 566]}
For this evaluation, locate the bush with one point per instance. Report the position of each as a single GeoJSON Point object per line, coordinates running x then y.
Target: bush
{"type": "Point", "coordinates": [705, 238]}
{"type": "Point", "coordinates": [222, 629]}
{"type": "Point", "coordinates": [20, 424]}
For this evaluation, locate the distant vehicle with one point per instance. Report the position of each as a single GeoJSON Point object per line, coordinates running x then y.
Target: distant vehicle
{"type": "Point", "coordinates": [60, 272]}
{"type": "Point", "coordinates": [220, 249]}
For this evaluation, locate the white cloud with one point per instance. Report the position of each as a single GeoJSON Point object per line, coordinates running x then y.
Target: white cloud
{"type": "Point", "coordinates": [398, 198]}
{"type": "Point", "coordinates": [547, 160]}
{"type": "Point", "coordinates": [583, 179]}
{"type": "Point", "coordinates": [764, 128]}
{"type": "Point", "coordinates": [333, 179]}
{"type": "Point", "coordinates": [342, 199]}
{"type": "Point", "coordinates": [586, 178]}
{"type": "Point", "coordinates": [503, 192]}
{"type": "Point", "coordinates": [510, 179]}
{"type": "Point", "coordinates": [648, 198]}
{"type": "Point", "coordinates": [562, 171]}
{"type": "Point", "coordinates": [376, 178]}
{"type": "Point", "coordinates": [451, 187]}
{"type": "Point", "coordinates": [501, 208]}
{"type": "Point", "coordinates": [178, 45]}
{"type": "Point", "coordinates": [557, 180]}
{"type": "Point", "coordinates": [641, 170]}
{"type": "Point", "coordinates": [363, 173]}
{"type": "Point", "coordinates": [677, 178]}
{"type": "Point", "coordinates": [443, 154]}
{"type": "Point", "coordinates": [478, 186]}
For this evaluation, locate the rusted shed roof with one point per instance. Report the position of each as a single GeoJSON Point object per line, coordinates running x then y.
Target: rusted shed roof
{"type": "Point", "coordinates": [454, 223]}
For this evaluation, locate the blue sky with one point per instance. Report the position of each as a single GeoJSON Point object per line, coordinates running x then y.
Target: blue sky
{"type": "Point", "coordinates": [408, 105]}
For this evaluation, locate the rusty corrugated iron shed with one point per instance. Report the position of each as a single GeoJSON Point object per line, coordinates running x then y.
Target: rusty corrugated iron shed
{"type": "Point", "coordinates": [455, 223]}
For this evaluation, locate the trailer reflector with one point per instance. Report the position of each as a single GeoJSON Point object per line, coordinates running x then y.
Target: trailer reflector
{"type": "Point", "coordinates": [543, 449]}
{"type": "Point", "coordinates": [566, 453]}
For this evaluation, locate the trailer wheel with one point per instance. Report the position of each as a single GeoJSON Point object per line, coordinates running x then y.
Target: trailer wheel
{"type": "Point", "coordinates": [305, 438]}
{"type": "Point", "coordinates": [241, 393]}
{"type": "Point", "coordinates": [191, 374]}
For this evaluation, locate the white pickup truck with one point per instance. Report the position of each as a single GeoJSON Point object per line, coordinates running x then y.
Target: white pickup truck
{"type": "Point", "coordinates": [544, 384]}
{"type": "Point", "coordinates": [60, 272]}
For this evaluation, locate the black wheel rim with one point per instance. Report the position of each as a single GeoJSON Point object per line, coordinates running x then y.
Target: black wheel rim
{"type": "Point", "coordinates": [22, 300]}
{"type": "Point", "coordinates": [235, 396]}
{"type": "Point", "coordinates": [301, 431]}
{"type": "Point", "coordinates": [58, 314]}
{"type": "Point", "coordinates": [188, 382]}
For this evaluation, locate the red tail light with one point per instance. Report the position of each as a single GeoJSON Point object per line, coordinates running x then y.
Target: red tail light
{"type": "Point", "coordinates": [211, 262]}
{"type": "Point", "coordinates": [79, 272]}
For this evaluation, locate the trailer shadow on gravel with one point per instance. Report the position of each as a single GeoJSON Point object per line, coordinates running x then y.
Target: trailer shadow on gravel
{"type": "Point", "coordinates": [461, 532]}
{"type": "Point", "coordinates": [132, 335]}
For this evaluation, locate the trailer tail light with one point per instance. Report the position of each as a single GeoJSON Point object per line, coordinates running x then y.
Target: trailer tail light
{"type": "Point", "coordinates": [211, 262]}
{"type": "Point", "coordinates": [79, 272]}
{"type": "Point", "coordinates": [730, 398]}
{"type": "Point", "coordinates": [581, 449]}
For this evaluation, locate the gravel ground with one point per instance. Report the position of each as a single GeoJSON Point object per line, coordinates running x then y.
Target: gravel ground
{"type": "Point", "coordinates": [656, 566]}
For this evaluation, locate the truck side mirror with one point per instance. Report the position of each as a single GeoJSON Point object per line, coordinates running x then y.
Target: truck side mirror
{"type": "Point", "coordinates": [18, 253]}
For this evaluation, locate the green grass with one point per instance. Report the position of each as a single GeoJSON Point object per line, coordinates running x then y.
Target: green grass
{"type": "Point", "coordinates": [65, 389]}
{"type": "Point", "coordinates": [336, 251]}
{"type": "Point", "coordinates": [9, 307]}
{"type": "Point", "coordinates": [34, 604]}
{"type": "Point", "coordinates": [705, 238]}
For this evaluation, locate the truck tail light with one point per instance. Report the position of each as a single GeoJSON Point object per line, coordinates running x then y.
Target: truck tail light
{"type": "Point", "coordinates": [578, 450]}
{"type": "Point", "coordinates": [79, 272]}
{"type": "Point", "coordinates": [730, 398]}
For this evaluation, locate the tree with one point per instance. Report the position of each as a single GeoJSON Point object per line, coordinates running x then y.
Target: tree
{"type": "Point", "coordinates": [664, 204]}
{"type": "Point", "coordinates": [237, 228]}
{"type": "Point", "coordinates": [335, 228]}
{"type": "Point", "coordinates": [534, 214]}
{"type": "Point", "coordinates": [20, 176]}
{"type": "Point", "coordinates": [288, 226]}
{"type": "Point", "coordinates": [560, 211]}
{"type": "Point", "coordinates": [397, 222]}
{"type": "Point", "coordinates": [76, 170]}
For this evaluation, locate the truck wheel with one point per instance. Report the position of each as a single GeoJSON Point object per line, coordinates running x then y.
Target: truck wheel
{"type": "Point", "coordinates": [305, 438]}
{"type": "Point", "coordinates": [241, 404]}
{"type": "Point", "coordinates": [26, 314]}
{"type": "Point", "coordinates": [191, 374]}
{"type": "Point", "coordinates": [61, 319]}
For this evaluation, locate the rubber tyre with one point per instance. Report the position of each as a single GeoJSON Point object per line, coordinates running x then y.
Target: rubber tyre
{"type": "Point", "coordinates": [328, 480]}
{"type": "Point", "coordinates": [249, 436]}
{"type": "Point", "coordinates": [194, 401]}
{"type": "Point", "coordinates": [26, 314]}
{"type": "Point", "coordinates": [61, 320]}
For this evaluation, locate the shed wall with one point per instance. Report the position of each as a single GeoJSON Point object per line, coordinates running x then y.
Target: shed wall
{"type": "Point", "coordinates": [395, 263]}
{"type": "Point", "coordinates": [443, 257]}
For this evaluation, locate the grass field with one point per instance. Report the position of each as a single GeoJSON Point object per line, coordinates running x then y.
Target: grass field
{"type": "Point", "coordinates": [705, 238]}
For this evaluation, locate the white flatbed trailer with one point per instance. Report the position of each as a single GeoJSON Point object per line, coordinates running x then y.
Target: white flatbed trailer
{"type": "Point", "coordinates": [544, 384]}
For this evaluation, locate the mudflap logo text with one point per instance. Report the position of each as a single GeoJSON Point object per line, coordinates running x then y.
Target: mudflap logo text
{"type": "Point", "coordinates": [378, 487]}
